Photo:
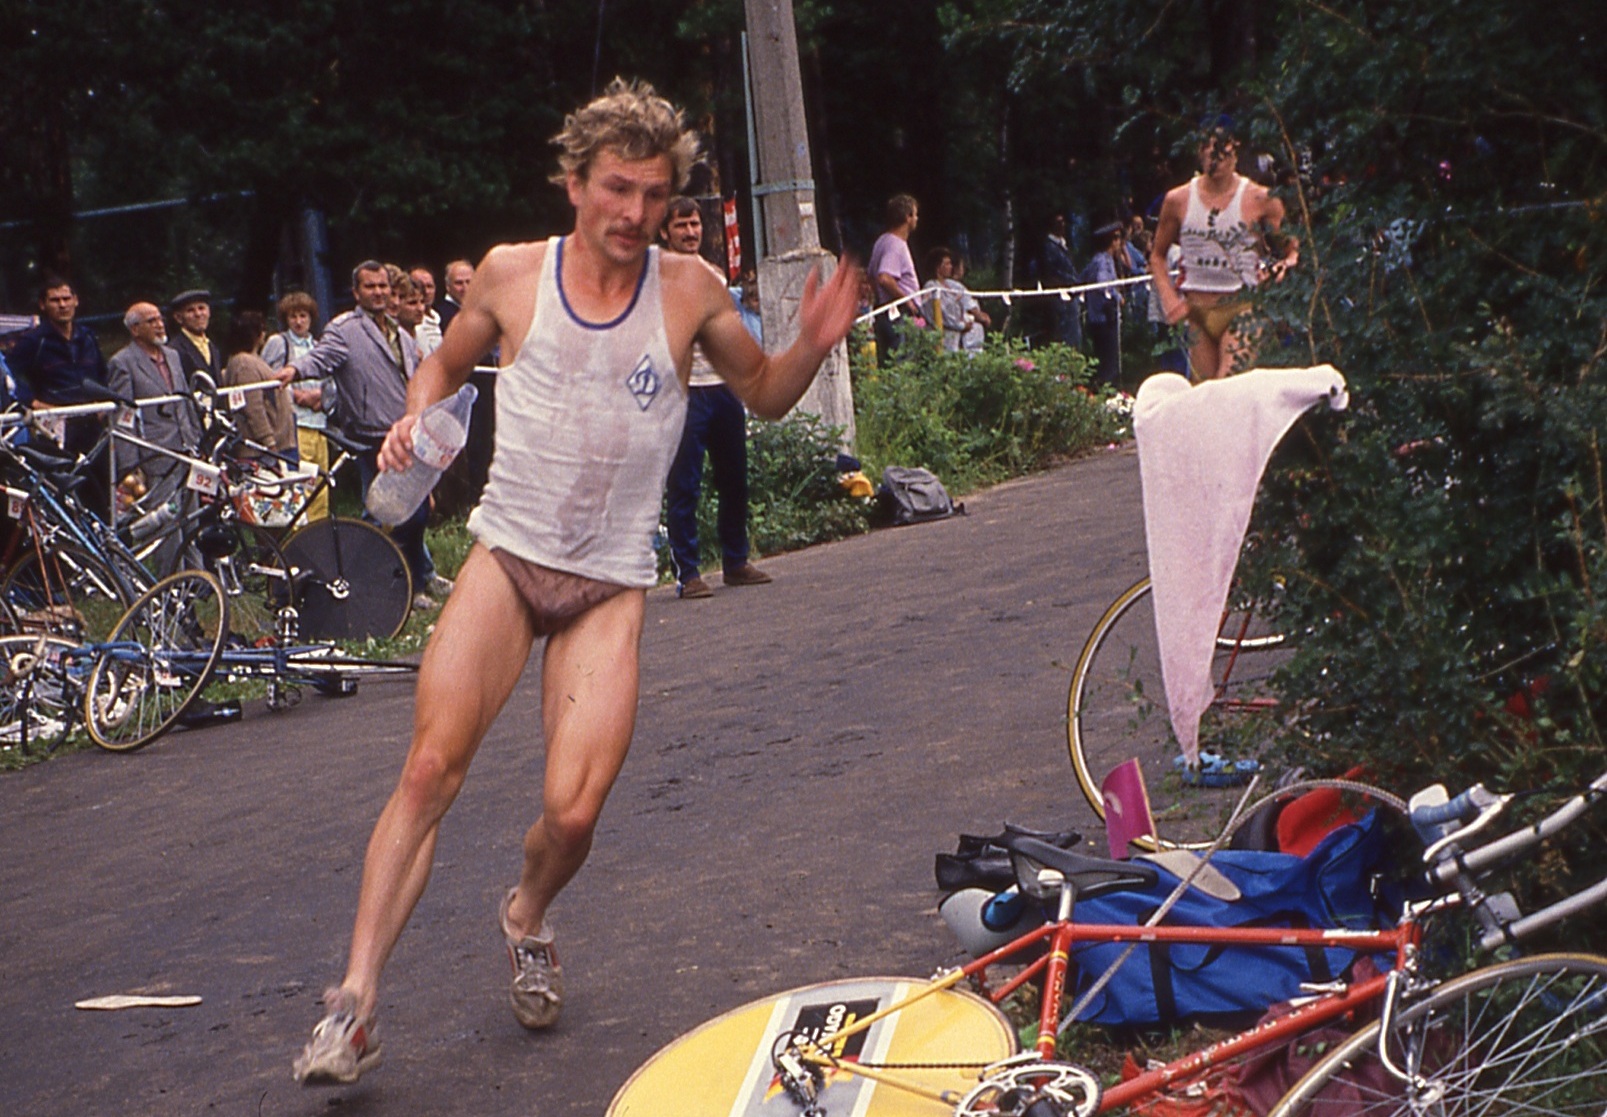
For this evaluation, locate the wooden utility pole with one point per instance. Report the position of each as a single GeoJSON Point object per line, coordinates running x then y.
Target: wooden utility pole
{"type": "Point", "coordinates": [786, 190]}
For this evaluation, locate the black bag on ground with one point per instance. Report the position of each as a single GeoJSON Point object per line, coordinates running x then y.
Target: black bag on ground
{"type": "Point", "coordinates": [910, 495]}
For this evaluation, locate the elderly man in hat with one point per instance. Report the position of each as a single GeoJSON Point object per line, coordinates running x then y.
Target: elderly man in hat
{"type": "Point", "coordinates": [192, 314]}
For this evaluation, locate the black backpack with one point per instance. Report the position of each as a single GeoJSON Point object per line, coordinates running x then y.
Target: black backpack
{"type": "Point", "coordinates": [913, 496]}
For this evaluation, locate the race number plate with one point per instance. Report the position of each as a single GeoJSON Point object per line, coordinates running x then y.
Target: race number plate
{"type": "Point", "coordinates": [204, 479]}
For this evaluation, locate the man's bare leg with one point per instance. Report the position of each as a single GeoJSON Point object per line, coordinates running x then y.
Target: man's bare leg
{"type": "Point", "coordinates": [1239, 345]}
{"type": "Point", "coordinates": [1205, 356]}
{"type": "Point", "coordinates": [473, 661]}
{"type": "Point", "coordinates": [588, 699]}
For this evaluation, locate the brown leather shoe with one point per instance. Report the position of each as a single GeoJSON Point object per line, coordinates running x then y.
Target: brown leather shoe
{"type": "Point", "coordinates": [746, 575]}
{"type": "Point", "coordinates": [694, 587]}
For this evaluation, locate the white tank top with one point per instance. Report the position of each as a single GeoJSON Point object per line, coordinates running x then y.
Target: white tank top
{"type": "Point", "coordinates": [1219, 250]}
{"type": "Point", "coordinates": [589, 416]}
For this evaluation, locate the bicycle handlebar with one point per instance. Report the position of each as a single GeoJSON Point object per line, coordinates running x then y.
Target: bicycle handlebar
{"type": "Point", "coordinates": [1464, 807]}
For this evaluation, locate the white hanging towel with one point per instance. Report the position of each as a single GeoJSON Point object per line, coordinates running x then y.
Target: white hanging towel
{"type": "Point", "coordinates": [1201, 451]}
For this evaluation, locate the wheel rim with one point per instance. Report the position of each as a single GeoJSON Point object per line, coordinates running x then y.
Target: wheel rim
{"type": "Point", "coordinates": [156, 661]}
{"type": "Point", "coordinates": [1520, 1037]}
{"type": "Point", "coordinates": [352, 582]}
{"type": "Point", "coordinates": [1116, 710]}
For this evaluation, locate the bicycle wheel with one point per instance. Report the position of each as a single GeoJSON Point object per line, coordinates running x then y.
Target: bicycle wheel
{"type": "Point", "coordinates": [1116, 710]}
{"type": "Point", "coordinates": [351, 580]}
{"type": "Point", "coordinates": [939, 1043]}
{"type": "Point", "coordinates": [1526, 1036]}
{"type": "Point", "coordinates": [253, 571]}
{"type": "Point", "coordinates": [66, 592]}
{"type": "Point", "coordinates": [158, 658]}
{"type": "Point", "coordinates": [39, 692]}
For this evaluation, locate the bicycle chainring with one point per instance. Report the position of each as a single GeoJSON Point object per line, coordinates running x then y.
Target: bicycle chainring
{"type": "Point", "coordinates": [1033, 1089]}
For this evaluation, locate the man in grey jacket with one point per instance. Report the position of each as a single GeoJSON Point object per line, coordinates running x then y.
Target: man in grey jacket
{"type": "Point", "coordinates": [372, 360]}
{"type": "Point", "coordinates": [148, 368]}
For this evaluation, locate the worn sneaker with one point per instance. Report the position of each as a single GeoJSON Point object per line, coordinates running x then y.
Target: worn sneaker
{"type": "Point", "coordinates": [441, 587]}
{"type": "Point", "coordinates": [342, 1047]}
{"type": "Point", "coordinates": [538, 979]}
{"type": "Point", "coordinates": [422, 602]}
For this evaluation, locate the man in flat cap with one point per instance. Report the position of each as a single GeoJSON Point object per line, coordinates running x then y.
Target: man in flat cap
{"type": "Point", "coordinates": [192, 314]}
{"type": "Point", "coordinates": [1105, 305]}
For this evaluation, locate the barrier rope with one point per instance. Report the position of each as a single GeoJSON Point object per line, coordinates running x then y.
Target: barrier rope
{"type": "Point", "coordinates": [1007, 296]}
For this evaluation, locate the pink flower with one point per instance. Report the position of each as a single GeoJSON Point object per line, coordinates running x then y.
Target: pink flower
{"type": "Point", "coordinates": [1025, 365]}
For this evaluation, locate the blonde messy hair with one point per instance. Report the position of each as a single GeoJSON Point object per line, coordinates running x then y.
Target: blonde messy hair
{"type": "Point", "coordinates": [635, 122]}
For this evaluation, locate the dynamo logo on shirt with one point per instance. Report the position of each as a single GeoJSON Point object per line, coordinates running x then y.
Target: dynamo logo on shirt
{"type": "Point", "coordinates": [644, 383]}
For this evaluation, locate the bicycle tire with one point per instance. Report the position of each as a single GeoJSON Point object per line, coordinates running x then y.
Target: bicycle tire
{"type": "Point", "coordinates": [1116, 709]}
{"type": "Point", "coordinates": [65, 591]}
{"type": "Point", "coordinates": [1524, 1036]}
{"type": "Point", "coordinates": [39, 695]}
{"type": "Point", "coordinates": [953, 1033]}
{"type": "Point", "coordinates": [253, 571]}
{"type": "Point", "coordinates": [159, 659]}
{"type": "Point", "coordinates": [352, 582]}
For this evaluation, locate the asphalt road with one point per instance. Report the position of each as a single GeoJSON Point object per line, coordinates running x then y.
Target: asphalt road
{"type": "Point", "coordinates": [802, 751]}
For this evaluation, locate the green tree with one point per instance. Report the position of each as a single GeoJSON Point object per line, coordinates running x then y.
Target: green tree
{"type": "Point", "coordinates": [1444, 542]}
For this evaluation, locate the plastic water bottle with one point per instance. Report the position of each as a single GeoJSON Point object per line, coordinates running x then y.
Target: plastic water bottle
{"type": "Point", "coordinates": [154, 521]}
{"type": "Point", "coordinates": [439, 434]}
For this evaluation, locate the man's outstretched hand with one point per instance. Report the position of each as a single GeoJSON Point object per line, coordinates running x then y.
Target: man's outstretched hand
{"type": "Point", "coordinates": [826, 313]}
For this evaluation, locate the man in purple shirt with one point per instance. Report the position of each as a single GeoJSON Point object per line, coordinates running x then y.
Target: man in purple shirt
{"type": "Point", "coordinates": [892, 268]}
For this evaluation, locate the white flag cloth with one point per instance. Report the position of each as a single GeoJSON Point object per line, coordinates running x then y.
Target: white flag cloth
{"type": "Point", "coordinates": [1201, 452]}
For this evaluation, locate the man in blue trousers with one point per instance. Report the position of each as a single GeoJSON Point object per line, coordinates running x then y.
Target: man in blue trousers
{"type": "Point", "coordinates": [716, 423]}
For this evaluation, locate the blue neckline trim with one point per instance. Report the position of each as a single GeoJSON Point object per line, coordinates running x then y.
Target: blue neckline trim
{"type": "Point", "coordinates": [624, 314]}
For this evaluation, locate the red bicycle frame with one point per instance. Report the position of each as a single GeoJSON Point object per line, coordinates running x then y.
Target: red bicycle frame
{"type": "Point", "coordinates": [1062, 936]}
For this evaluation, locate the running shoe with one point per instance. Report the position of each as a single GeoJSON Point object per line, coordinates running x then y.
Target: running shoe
{"type": "Point", "coordinates": [342, 1046]}
{"type": "Point", "coordinates": [538, 979]}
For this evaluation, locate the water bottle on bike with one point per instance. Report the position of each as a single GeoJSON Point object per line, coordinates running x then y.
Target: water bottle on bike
{"type": "Point", "coordinates": [438, 436]}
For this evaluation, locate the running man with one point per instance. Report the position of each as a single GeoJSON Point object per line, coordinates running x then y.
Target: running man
{"type": "Point", "coordinates": [1223, 222]}
{"type": "Point", "coordinates": [599, 326]}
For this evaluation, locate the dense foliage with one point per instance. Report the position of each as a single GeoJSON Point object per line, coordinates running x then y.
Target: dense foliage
{"type": "Point", "coordinates": [1444, 542]}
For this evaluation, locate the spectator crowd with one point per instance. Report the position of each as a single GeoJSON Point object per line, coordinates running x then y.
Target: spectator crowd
{"type": "Point", "coordinates": [351, 374]}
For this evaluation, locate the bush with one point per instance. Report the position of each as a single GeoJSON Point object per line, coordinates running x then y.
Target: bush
{"type": "Point", "coordinates": [1444, 541]}
{"type": "Point", "coordinates": [794, 499]}
{"type": "Point", "coordinates": [977, 420]}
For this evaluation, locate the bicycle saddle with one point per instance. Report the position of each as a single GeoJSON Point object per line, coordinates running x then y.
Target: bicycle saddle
{"type": "Point", "coordinates": [979, 862]}
{"type": "Point", "coordinates": [63, 472]}
{"type": "Point", "coordinates": [1088, 876]}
